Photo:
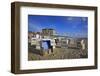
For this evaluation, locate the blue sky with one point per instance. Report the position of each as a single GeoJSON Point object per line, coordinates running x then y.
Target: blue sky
{"type": "Point", "coordinates": [69, 25]}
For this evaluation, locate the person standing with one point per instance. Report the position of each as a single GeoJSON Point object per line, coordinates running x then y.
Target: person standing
{"type": "Point", "coordinates": [83, 44]}
{"type": "Point", "coordinates": [45, 47]}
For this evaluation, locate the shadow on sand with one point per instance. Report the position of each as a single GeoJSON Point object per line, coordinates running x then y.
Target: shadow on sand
{"type": "Point", "coordinates": [32, 49]}
{"type": "Point", "coordinates": [73, 48]}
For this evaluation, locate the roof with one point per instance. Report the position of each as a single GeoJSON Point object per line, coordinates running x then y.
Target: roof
{"type": "Point", "coordinates": [48, 29]}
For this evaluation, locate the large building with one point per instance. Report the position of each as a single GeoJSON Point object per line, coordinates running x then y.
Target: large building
{"type": "Point", "coordinates": [48, 32]}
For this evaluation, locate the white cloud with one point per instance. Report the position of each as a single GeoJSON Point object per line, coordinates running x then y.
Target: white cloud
{"type": "Point", "coordinates": [84, 18]}
{"type": "Point", "coordinates": [70, 18]}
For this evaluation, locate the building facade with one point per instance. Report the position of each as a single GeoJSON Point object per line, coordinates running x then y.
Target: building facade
{"type": "Point", "coordinates": [48, 32]}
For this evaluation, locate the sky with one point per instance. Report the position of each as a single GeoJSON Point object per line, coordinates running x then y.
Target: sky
{"type": "Point", "coordinates": [63, 25]}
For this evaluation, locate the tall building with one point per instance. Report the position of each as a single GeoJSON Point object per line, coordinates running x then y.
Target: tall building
{"type": "Point", "coordinates": [48, 32]}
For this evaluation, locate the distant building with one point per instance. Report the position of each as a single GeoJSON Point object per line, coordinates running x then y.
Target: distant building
{"type": "Point", "coordinates": [56, 40]}
{"type": "Point", "coordinates": [48, 32]}
{"type": "Point", "coordinates": [30, 35]}
{"type": "Point", "coordinates": [34, 39]}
